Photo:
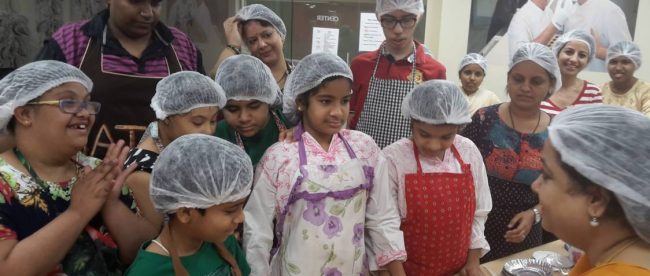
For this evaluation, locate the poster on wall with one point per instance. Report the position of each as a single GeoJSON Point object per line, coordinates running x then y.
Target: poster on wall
{"type": "Point", "coordinates": [514, 22]}
{"type": "Point", "coordinates": [325, 40]}
{"type": "Point", "coordinates": [371, 34]}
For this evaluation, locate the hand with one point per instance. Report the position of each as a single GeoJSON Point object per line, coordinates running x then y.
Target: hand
{"type": "Point", "coordinates": [93, 187]}
{"type": "Point", "coordinates": [564, 9]}
{"type": "Point", "coordinates": [600, 51]}
{"type": "Point", "coordinates": [231, 29]}
{"type": "Point", "coordinates": [471, 269]}
{"type": "Point", "coordinates": [520, 226]}
{"type": "Point", "coordinates": [286, 136]}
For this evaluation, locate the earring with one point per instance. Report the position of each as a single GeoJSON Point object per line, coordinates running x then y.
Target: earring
{"type": "Point", "coordinates": [300, 108]}
{"type": "Point", "coordinates": [27, 123]}
{"type": "Point", "coordinates": [594, 222]}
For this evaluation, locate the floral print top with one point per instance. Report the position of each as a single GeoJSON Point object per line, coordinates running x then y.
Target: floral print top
{"type": "Point", "coordinates": [274, 178]}
{"type": "Point", "coordinates": [25, 207]}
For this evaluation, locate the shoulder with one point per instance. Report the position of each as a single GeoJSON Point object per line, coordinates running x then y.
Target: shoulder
{"type": "Point", "coordinates": [70, 29]}
{"type": "Point", "coordinates": [617, 269]}
{"type": "Point", "coordinates": [364, 59]}
{"type": "Point", "coordinates": [466, 147]}
{"type": "Point", "coordinates": [426, 61]}
{"type": "Point", "coordinates": [591, 87]}
{"type": "Point", "coordinates": [362, 144]}
{"type": "Point", "coordinates": [181, 38]}
{"type": "Point", "coordinates": [148, 263]}
{"type": "Point", "coordinates": [398, 148]}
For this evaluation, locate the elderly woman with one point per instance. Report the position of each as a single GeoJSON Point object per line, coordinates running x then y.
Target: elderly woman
{"type": "Point", "coordinates": [252, 120]}
{"type": "Point", "coordinates": [599, 201]}
{"type": "Point", "coordinates": [471, 72]}
{"type": "Point", "coordinates": [573, 50]}
{"type": "Point", "coordinates": [185, 102]}
{"type": "Point", "coordinates": [263, 33]}
{"type": "Point", "coordinates": [125, 50]}
{"type": "Point", "coordinates": [623, 59]}
{"type": "Point", "coordinates": [510, 137]}
{"type": "Point", "coordinates": [56, 203]}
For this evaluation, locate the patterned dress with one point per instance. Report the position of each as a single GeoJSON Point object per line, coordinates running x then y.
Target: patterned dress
{"type": "Point", "coordinates": [513, 162]}
{"type": "Point", "coordinates": [26, 207]}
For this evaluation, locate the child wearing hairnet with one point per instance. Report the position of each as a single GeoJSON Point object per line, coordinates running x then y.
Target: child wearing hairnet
{"type": "Point", "coordinates": [471, 72]}
{"type": "Point", "coordinates": [252, 119]}
{"type": "Point", "coordinates": [439, 183]}
{"type": "Point", "coordinates": [626, 90]}
{"type": "Point", "coordinates": [325, 191]}
{"type": "Point", "coordinates": [200, 183]}
{"type": "Point", "coordinates": [185, 102]}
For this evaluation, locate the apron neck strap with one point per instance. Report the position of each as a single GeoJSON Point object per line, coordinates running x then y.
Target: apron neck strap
{"type": "Point", "coordinates": [453, 150]}
{"type": "Point", "coordinates": [380, 53]}
{"type": "Point", "coordinates": [297, 134]}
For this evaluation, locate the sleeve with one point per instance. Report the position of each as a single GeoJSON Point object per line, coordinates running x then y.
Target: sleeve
{"type": "Point", "coordinates": [6, 223]}
{"type": "Point", "coordinates": [394, 179]}
{"type": "Point", "coordinates": [258, 225]}
{"type": "Point", "coordinates": [385, 239]}
{"type": "Point", "coordinates": [471, 130]}
{"type": "Point", "coordinates": [645, 100]}
{"type": "Point", "coordinates": [236, 251]}
{"type": "Point", "coordinates": [615, 27]}
{"type": "Point", "coordinates": [483, 202]}
{"type": "Point", "coordinates": [51, 51]}
{"type": "Point", "coordinates": [494, 99]}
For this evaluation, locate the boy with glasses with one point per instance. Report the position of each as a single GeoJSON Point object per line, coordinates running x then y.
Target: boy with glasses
{"type": "Point", "coordinates": [383, 77]}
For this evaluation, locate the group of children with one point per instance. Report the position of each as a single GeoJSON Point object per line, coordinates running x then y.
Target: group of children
{"type": "Point", "coordinates": [329, 202]}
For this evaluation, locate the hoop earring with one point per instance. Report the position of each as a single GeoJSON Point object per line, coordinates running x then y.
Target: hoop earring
{"type": "Point", "coordinates": [594, 222]}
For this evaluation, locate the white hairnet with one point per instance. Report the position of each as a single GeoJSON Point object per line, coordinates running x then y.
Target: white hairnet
{"type": "Point", "coordinates": [540, 55]}
{"type": "Point", "coordinates": [606, 145]}
{"type": "Point", "coordinates": [626, 49]}
{"type": "Point", "coordinates": [473, 58]}
{"type": "Point", "coordinates": [183, 91]}
{"type": "Point", "coordinates": [575, 35]}
{"type": "Point", "coordinates": [437, 102]}
{"type": "Point", "coordinates": [411, 6]}
{"type": "Point", "coordinates": [199, 171]}
{"type": "Point", "coordinates": [245, 78]}
{"type": "Point", "coordinates": [309, 74]}
{"type": "Point", "coordinates": [31, 81]}
{"type": "Point", "coordinates": [261, 12]}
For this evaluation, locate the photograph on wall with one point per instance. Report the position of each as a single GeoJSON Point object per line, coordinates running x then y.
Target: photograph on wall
{"type": "Point", "coordinates": [498, 27]}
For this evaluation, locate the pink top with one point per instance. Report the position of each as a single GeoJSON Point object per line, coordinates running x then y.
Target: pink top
{"type": "Point", "coordinates": [590, 94]}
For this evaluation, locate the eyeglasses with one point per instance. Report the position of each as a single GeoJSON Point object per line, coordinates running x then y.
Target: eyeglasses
{"type": "Point", "coordinates": [391, 22]}
{"type": "Point", "coordinates": [72, 106]}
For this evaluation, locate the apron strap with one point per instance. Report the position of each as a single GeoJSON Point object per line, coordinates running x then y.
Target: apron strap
{"type": "Point", "coordinates": [379, 53]}
{"type": "Point", "coordinates": [463, 166]}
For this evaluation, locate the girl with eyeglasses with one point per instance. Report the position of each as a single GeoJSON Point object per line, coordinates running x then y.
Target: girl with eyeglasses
{"type": "Point", "coordinates": [57, 205]}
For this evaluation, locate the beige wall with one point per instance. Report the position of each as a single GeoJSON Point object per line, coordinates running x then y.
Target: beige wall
{"type": "Point", "coordinates": [447, 28]}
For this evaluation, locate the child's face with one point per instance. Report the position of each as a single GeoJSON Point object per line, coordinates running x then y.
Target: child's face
{"type": "Point", "coordinates": [433, 140]}
{"type": "Point", "coordinates": [218, 222]}
{"type": "Point", "coordinates": [201, 120]}
{"type": "Point", "coordinates": [328, 108]}
{"type": "Point", "coordinates": [246, 117]}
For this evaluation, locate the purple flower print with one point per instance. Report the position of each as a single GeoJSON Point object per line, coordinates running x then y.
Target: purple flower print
{"type": "Point", "coordinates": [358, 234]}
{"type": "Point", "coordinates": [332, 271]}
{"type": "Point", "coordinates": [315, 213]}
{"type": "Point", "coordinates": [332, 226]}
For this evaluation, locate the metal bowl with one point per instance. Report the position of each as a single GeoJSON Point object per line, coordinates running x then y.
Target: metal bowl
{"type": "Point", "coordinates": [527, 267]}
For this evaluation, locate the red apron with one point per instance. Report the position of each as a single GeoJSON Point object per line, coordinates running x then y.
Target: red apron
{"type": "Point", "coordinates": [438, 225]}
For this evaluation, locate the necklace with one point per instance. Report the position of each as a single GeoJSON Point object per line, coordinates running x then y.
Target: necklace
{"type": "Point", "coordinates": [512, 121]}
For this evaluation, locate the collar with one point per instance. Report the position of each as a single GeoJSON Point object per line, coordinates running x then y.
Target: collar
{"type": "Point", "coordinates": [419, 56]}
{"type": "Point", "coordinates": [96, 26]}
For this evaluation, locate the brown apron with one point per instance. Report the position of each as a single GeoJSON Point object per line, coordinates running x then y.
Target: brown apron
{"type": "Point", "coordinates": [125, 100]}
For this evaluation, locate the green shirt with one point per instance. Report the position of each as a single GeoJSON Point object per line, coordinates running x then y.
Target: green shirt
{"type": "Point", "coordinates": [256, 145]}
{"type": "Point", "coordinates": [206, 261]}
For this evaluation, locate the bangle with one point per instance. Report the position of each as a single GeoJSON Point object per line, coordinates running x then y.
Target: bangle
{"type": "Point", "coordinates": [235, 49]}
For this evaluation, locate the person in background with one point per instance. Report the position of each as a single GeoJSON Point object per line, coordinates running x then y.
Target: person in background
{"type": "Point", "coordinates": [263, 33]}
{"type": "Point", "coordinates": [599, 200]}
{"type": "Point", "coordinates": [626, 90]}
{"type": "Point", "coordinates": [200, 182]}
{"type": "Point", "coordinates": [253, 115]}
{"type": "Point", "coordinates": [61, 212]}
{"type": "Point", "coordinates": [448, 169]}
{"type": "Point", "coordinates": [326, 191]}
{"type": "Point", "coordinates": [383, 77]}
{"type": "Point", "coordinates": [471, 72]}
{"type": "Point", "coordinates": [573, 50]}
{"type": "Point", "coordinates": [535, 22]}
{"type": "Point", "coordinates": [125, 50]}
{"type": "Point", "coordinates": [605, 21]}
{"type": "Point", "coordinates": [184, 103]}
{"type": "Point", "coordinates": [510, 137]}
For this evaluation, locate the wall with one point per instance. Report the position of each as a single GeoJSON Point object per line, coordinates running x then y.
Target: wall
{"type": "Point", "coordinates": [447, 34]}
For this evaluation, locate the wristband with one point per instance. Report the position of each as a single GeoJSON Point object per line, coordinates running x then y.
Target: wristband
{"type": "Point", "coordinates": [235, 49]}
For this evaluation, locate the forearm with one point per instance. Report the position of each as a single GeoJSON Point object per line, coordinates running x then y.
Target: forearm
{"type": "Point", "coordinates": [474, 256]}
{"type": "Point", "coordinates": [128, 229]}
{"type": "Point", "coordinates": [42, 251]}
{"type": "Point", "coordinates": [395, 268]}
{"type": "Point", "coordinates": [545, 37]}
